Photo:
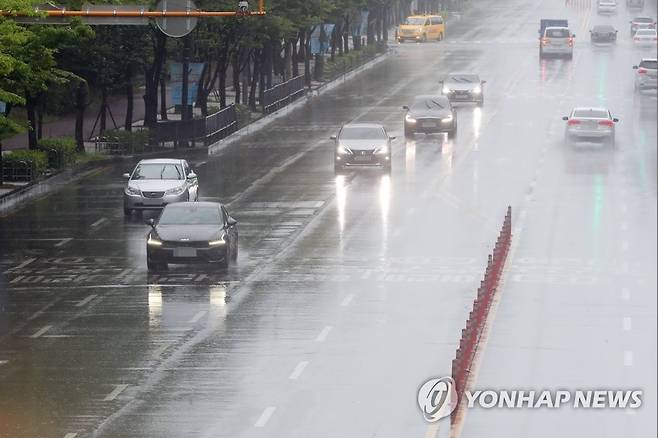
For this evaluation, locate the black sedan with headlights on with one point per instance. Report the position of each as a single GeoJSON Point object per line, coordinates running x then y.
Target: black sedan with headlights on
{"type": "Point", "coordinates": [430, 114]}
{"type": "Point", "coordinates": [362, 144]}
{"type": "Point", "coordinates": [192, 232]}
{"type": "Point", "coordinates": [463, 87]}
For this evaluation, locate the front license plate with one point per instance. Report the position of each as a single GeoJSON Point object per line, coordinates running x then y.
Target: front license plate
{"type": "Point", "coordinates": [184, 252]}
{"type": "Point", "coordinates": [362, 158]}
{"type": "Point", "coordinates": [428, 124]}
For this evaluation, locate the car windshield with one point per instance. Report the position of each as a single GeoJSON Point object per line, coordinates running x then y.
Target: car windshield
{"type": "Point", "coordinates": [191, 215]}
{"type": "Point", "coordinates": [464, 78]}
{"type": "Point", "coordinates": [415, 21]}
{"type": "Point", "coordinates": [158, 171]}
{"type": "Point", "coordinates": [649, 64]}
{"type": "Point", "coordinates": [430, 103]}
{"type": "Point", "coordinates": [361, 133]}
{"type": "Point", "coordinates": [591, 113]}
{"type": "Point", "coordinates": [557, 33]}
{"type": "Point", "coordinates": [645, 32]}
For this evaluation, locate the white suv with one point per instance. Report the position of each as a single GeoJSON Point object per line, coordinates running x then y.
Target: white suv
{"type": "Point", "coordinates": [557, 41]}
{"type": "Point", "coordinates": [645, 74]}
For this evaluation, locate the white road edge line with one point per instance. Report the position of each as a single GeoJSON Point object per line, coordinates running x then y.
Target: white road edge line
{"type": "Point", "coordinates": [198, 316]}
{"type": "Point", "coordinates": [323, 334]}
{"type": "Point", "coordinates": [347, 300]}
{"type": "Point", "coordinates": [299, 369]}
{"type": "Point", "coordinates": [63, 242]}
{"type": "Point", "coordinates": [265, 416]}
{"type": "Point", "coordinates": [628, 358]}
{"type": "Point", "coordinates": [86, 300]}
{"type": "Point", "coordinates": [41, 331]}
{"type": "Point", "coordinates": [118, 389]}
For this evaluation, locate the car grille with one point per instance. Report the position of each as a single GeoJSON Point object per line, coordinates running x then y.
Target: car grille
{"type": "Point", "coordinates": [153, 194]}
{"type": "Point", "coordinates": [362, 153]}
{"type": "Point", "coordinates": [185, 244]}
{"type": "Point", "coordinates": [407, 31]}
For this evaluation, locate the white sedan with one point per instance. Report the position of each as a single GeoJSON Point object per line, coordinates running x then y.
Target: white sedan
{"type": "Point", "coordinates": [590, 124]}
{"type": "Point", "coordinates": [645, 38]}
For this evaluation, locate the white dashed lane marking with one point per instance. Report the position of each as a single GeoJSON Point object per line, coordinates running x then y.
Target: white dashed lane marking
{"type": "Point", "coordinates": [41, 331]}
{"type": "Point", "coordinates": [347, 300]}
{"type": "Point", "coordinates": [299, 369]}
{"type": "Point", "coordinates": [99, 222]}
{"type": "Point", "coordinates": [198, 316]}
{"type": "Point", "coordinates": [63, 242]}
{"type": "Point", "coordinates": [86, 300]}
{"type": "Point", "coordinates": [323, 334]}
{"type": "Point", "coordinates": [118, 389]}
{"type": "Point", "coordinates": [265, 416]}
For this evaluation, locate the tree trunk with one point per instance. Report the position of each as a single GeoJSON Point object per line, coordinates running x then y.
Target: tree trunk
{"type": "Point", "coordinates": [222, 87]}
{"type": "Point", "coordinates": [128, 123]}
{"type": "Point", "coordinates": [163, 96]}
{"type": "Point", "coordinates": [80, 106]}
{"type": "Point", "coordinates": [346, 34]}
{"type": "Point", "coordinates": [307, 59]}
{"type": "Point", "coordinates": [39, 122]}
{"type": "Point", "coordinates": [287, 60]}
{"type": "Point", "coordinates": [254, 80]}
{"type": "Point", "coordinates": [30, 107]}
{"type": "Point", "coordinates": [152, 77]}
{"type": "Point", "coordinates": [103, 114]}
{"type": "Point", "coordinates": [385, 19]}
{"type": "Point", "coordinates": [236, 75]}
{"type": "Point", "coordinates": [295, 60]}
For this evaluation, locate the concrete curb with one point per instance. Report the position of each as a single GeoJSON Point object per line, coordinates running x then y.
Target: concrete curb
{"type": "Point", "coordinates": [264, 121]}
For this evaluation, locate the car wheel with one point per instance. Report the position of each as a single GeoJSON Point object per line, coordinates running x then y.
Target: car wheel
{"type": "Point", "coordinates": [440, 36]}
{"type": "Point", "coordinates": [424, 39]}
{"type": "Point", "coordinates": [408, 133]}
{"type": "Point", "coordinates": [234, 253]}
{"type": "Point", "coordinates": [480, 102]}
{"type": "Point", "coordinates": [387, 167]}
{"type": "Point", "coordinates": [338, 168]}
{"type": "Point", "coordinates": [610, 142]}
{"type": "Point", "coordinates": [127, 211]}
{"type": "Point", "coordinates": [570, 56]}
{"type": "Point", "coordinates": [452, 133]}
{"type": "Point", "coordinates": [153, 266]}
{"type": "Point", "coordinates": [224, 263]}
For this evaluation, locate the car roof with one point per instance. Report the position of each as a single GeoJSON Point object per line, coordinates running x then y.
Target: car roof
{"type": "Point", "coordinates": [194, 203]}
{"type": "Point", "coordinates": [363, 125]}
{"type": "Point", "coordinates": [603, 26]}
{"type": "Point", "coordinates": [643, 19]}
{"type": "Point", "coordinates": [590, 108]}
{"type": "Point", "coordinates": [161, 161]}
{"type": "Point", "coordinates": [648, 59]}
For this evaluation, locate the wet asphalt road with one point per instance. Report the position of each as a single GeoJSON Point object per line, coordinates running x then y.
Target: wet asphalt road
{"type": "Point", "coordinates": [352, 290]}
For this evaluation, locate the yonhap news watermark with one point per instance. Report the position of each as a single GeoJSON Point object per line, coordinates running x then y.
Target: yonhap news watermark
{"type": "Point", "coordinates": [438, 398]}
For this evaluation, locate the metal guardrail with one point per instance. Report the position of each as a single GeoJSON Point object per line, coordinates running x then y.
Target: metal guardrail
{"type": "Point", "coordinates": [17, 171]}
{"type": "Point", "coordinates": [208, 129]}
{"type": "Point", "coordinates": [283, 94]}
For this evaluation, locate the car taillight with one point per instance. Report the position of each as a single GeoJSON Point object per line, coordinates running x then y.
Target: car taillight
{"type": "Point", "coordinates": [544, 41]}
{"type": "Point", "coordinates": [570, 42]}
{"type": "Point", "coordinates": [573, 122]}
{"type": "Point", "coordinates": [608, 123]}
{"type": "Point", "coordinates": [636, 39]}
{"type": "Point", "coordinates": [641, 71]}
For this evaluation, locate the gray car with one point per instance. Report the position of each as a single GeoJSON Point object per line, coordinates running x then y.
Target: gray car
{"type": "Point", "coordinates": [646, 74]}
{"type": "Point", "coordinates": [362, 145]}
{"type": "Point", "coordinates": [155, 183]}
{"type": "Point", "coordinates": [603, 33]}
{"type": "Point", "coordinates": [430, 114]}
{"type": "Point", "coordinates": [590, 124]}
{"type": "Point", "coordinates": [463, 87]}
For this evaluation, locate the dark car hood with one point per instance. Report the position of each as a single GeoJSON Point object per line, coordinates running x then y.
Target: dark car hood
{"type": "Point", "coordinates": [363, 145]}
{"type": "Point", "coordinates": [195, 233]}
{"type": "Point", "coordinates": [439, 114]}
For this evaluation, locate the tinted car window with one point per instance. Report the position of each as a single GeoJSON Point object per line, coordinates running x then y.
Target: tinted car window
{"type": "Point", "coordinates": [464, 78]}
{"type": "Point", "coordinates": [158, 171]}
{"type": "Point", "coordinates": [597, 114]}
{"type": "Point", "coordinates": [361, 133]}
{"type": "Point", "coordinates": [557, 33]}
{"type": "Point", "coordinates": [649, 64]}
{"type": "Point", "coordinates": [415, 21]}
{"type": "Point", "coordinates": [437, 20]}
{"type": "Point", "coordinates": [603, 29]}
{"type": "Point", "coordinates": [191, 215]}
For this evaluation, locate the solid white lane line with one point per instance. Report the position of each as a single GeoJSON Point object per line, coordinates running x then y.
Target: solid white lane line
{"type": "Point", "coordinates": [70, 435]}
{"type": "Point", "coordinates": [198, 316]}
{"type": "Point", "coordinates": [265, 416]}
{"type": "Point", "coordinates": [627, 324]}
{"type": "Point", "coordinates": [99, 222]}
{"type": "Point", "coordinates": [628, 358]}
{"type": "Point", "coordinates": [625, 294]}
{"type": "Point", "coordinates": [299, 369]}
{"type": "Point", "coordinates": [41, 331]}
{"type": "Point", "coordinates": [86, 300]}
{"type": "Point", "coordinates": [22, 265]}
{"type": "Point", "coordinates": [323, 334]}
{"type": "Point", "coordinates": [347, 300]}
{"type": "Point", "coordinates": [63, 242]}
{"type": "Point", "coordinates": [118, 389]}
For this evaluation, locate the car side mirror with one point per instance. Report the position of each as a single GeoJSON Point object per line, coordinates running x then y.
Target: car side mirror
{"type": "Point", "coordinates": [635, 67]}
{"type": "Point", "coordinates": [231, 222]}
{"type": "Point", "coordinates": [151, 222]}
{"type": "Point", "coordinates": [333, 137]}
{"type": "Point", "coordinates": [483, 82]}
{"type": "Point", "coordinates": [126, 175]}
{"type": "Point", "coordinates": [573, 36]}
{"type": "Point", "coordinates": [615, 120]}
{"type": "Point", "coordinates": [392, 137]}
{"type": "Point", "coordinates": [191, 175]}
{"type": "Point", "coordinates": [565, 118]}
{"type": "Point", "coordinates": [405, 107]}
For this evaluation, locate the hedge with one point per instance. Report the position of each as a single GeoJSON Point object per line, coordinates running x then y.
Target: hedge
{"type": "Point", "coordinates": [135, 141]}
{"type": "Point", "coordinates": [65, 148]}
{"type": "Point", "coordinates": [37, 159]}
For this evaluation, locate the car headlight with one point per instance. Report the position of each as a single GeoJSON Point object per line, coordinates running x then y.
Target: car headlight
{"type": "Point", "coordinates": [133, 191]}
{"type": "Point", "coordinates": [175, 191]}
{"type": "Point", "coordinates": [447, 119]}
{"type": "Point", "coordinates": [342, 150]}
{"type": "Point", "coordinates": [153, 241]}
{"type": "Point", "coordinates": [446, 90]}
{"type": "Point", "coordinates": [410, 119]}
{"type": "Point", "coordinates": [218, 242]}
{"type": "Point", "coordinates": [382, 150]}
{"type": "Point", "coordinates": [477, 90]}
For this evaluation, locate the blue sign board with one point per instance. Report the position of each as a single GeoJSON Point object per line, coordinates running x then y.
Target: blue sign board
{"type": "Point", "coordinates": [176, 73]}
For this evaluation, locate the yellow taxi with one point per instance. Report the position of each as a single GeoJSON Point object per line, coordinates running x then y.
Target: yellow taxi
{"type": "Point", "coordinates": [422, 28]}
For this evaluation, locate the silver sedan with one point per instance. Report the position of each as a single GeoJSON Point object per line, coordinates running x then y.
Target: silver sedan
{"type": "Point", "coordinates": [155, 183]}
{"type": "Point", "coordinates": [590, 124]}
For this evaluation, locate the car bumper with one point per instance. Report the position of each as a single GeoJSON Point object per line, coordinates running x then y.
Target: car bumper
{"type": "Point", "coordinates": [590, 133]}
{"type": "Point", "coordinates": [369, 160]}
{"type": "Point", "coordinates": [645, 44]}
{"type": "Point", "coordinates": [604, 40]}
{"type": "Point", "coordinates": [425, 128]}
{"type": "Point", "coordinates": [607, 11]}
{"type": "Point", "coordinates": [409, 37]}
{"type": "Point", "coordinates": [557, 50]}
{"type": "Point", "coordinates": [170, 254]}
{"type": "Point", "coordinates": [143, 203]}
{"type": "Point", "coordinates": [647, 83]}
{"type": "Point", "coordinates": [466, 96]}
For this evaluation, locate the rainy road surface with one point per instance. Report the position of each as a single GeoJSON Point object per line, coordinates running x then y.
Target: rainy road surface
{"type": "Point", "coordinates": [350, 291]}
